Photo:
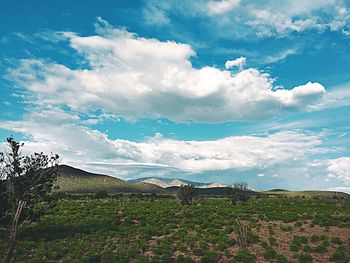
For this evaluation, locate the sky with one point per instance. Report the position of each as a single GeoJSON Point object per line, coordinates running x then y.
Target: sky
{"type": "Point", "coordinates": [210, 91]}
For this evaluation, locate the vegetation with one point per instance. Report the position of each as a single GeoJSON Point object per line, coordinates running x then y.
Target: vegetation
{"type": "Point", "coordinates": [237, 193]}
{"type": "Point", "coordinates": [26, 182]}
{"type": "Point", "coordinates": [145, 228]}
{"type": "Point", "coordinates": [74, 180]}
{"type": "Point", "coordinates": [186, 194]}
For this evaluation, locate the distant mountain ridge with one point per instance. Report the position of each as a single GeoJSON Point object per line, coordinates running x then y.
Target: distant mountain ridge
{"type": "Point", "coordinates": [74, 180]}
{"type": "Point", "coordinates": [172, 182]}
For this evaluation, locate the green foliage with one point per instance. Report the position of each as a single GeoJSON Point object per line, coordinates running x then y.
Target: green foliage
{"type": "Point", "coordinates": [339, 255]}
{"type": "Point", "coordinates": [184, 259]}
{"type": "Point", "coordinates": [101, 195]}
{"type": "Point", "coordinates": [281, 258]}
{"type": "Point", "coordinates": [186, 193]}
{"type": "Point", "coordinates": [210, 257]}
{"type": "Point", "coordinates": [305, 258]}
{"type": "Point", "coordinates": [245, 256]}
{"type": "Point", "coordinates": [25, 182]}
{"type": "Point", "coordinates": [124, 228]}
{"type": "Point", "coordinates": [336, 240]}
{"type": "Point", "coordinates": [237, 193]}
{"type": "Point", "coordinates": [270, 253]}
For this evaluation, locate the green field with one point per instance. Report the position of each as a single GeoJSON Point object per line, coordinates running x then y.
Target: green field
{"type": "Point", "coordinates": [131, 228]}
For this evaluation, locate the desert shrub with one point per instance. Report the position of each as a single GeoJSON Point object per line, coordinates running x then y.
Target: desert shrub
{"type": "Point", "coordinates": [186, 194]}
{"type": "Point", "coordinates": [305, 258]}
{"type": "Point", "coordinates": [286, 228]}
{"type": "Point", "coordinates": [281, 258]}
{"type": "Point", "coordinates": [336, 240]}
{"type": "Point", "coordinates": [210, 257]}
{"type": "Point", "coordinates": [320, 249]}
{"type": "Point", "coordinates": [307, 248]}
{"type": "Point", "coordinates": [315, 238]}
{"type": "Point", "coordinates": [294, 247]}
{"type": "Point", "coordinates": [270, 253]}
{"type": "Point", "coordinates": [245, 256]}
{"type": "Point", "coordinates": [272, 240]}
{"type": "Point", "coordinates": [101, 195]}
{"type": "Point", "coordinates": [184, 259]}
{"type": "Point", "coordinates": [237, 193]}
{"type": "Point", "coordinates": [339, 255]}
{"type": "Point", "coordinates": [142, 259]}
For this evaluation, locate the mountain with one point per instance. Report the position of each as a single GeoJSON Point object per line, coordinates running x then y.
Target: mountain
{"type": "Point", "coordinates": [76, 180]}
{"type": "Point", "coordinates": [168, 182]}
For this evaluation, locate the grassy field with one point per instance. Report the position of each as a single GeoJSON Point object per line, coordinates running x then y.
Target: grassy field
{"type": "Point", "coordinates": [158, 229]}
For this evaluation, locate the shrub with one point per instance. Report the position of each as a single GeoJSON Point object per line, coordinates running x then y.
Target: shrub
{"type": "Point", "coordinates": [210, 257]}
{"type": "Point", "coordinates": [270, 253]}
{"type": "Point", "coordinates": [315, 238]}
{"type": "Point", "coordinates": [339, 255]}
{"type": "Point", "coordinates": [320, 249]}
{"type": "Point", "coordinates": [294, 247]}
{"type": "Point", "coordinates": [101, 195]}
{"type": "Point", "coordinates": [184, 259]}
{"type": "Point", "coordinates": [238, 193]}
{"type": "Point", "coordinates": [281, 258]}
{"type": "Point", "coordinates": [272, 240]}
{"type": "Point", "coordinates": [305, 258]}
{"type": "Point", "coordinates": [245, 256]}
{"type": "Point", "coordinates": [186, 193]}
{"type": "Point", "coordinates": [336, 240]}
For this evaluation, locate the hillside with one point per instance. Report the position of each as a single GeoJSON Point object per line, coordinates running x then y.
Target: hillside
{"type": "Point", "coordinates": [307, 194]}
{"type": "Point", "coordinates": [75, 180]}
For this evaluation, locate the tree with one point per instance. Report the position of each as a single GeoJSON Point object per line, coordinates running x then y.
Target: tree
{"type": "Point", "coordinates": [25, 181]}
{"type": "Point", "coordinates": [186, 193]}
{"type": "Point", "coordinates": [237, 193]}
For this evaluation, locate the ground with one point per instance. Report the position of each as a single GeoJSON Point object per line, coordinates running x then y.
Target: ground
{"type": "Point", "coordinates": [158, 229]}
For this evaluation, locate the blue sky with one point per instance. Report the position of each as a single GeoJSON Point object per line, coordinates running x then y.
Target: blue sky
{"type": "Point", "coordinates": [212, 91]}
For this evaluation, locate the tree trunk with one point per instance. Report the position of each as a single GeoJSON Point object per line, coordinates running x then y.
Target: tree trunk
{"type": "Point", "coordinates": [13, 232]}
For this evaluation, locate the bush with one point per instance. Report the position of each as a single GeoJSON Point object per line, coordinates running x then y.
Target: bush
{"type": "Point", "coordinates": [210, 257]}
{"type": "Point", "coordinates": [101, 195]}
{"type": "Point", "coordinates": [281, 258]}
{"type": "Point", "coordinates": [270, 253]}
{"type": "Point", "coordinates": [294, 247]}
{"type": "Point", "coordinates": [320, 249]}
{"type": "Point", "coordinates": [305, 258]}
{"type": "Point", "coordinates": [185, 194]}
{"type": "Point", "coordinates": [336, 240]}
{"type": "Point", "coordinates": [339, 255]}
{"type": "Point", "coordinates": [245, 256]}
{"type": "Point", "coordinates": [184, 259]}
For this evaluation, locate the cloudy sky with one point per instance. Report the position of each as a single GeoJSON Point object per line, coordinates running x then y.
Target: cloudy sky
{"type": "Point", "coordinates": [212, 91]}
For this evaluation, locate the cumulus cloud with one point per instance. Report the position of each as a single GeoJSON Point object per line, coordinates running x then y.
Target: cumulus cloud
{"type": "Point", "coordinates": [339, 168]}
{"type": "Point", "coordinates": [223, 6]}
{"type": "Point", "coordinates": [137, 77]}
{"type": "Point", "coordinates": [238, 62]}
{"type": "Point", "coordinates": [54, 130]}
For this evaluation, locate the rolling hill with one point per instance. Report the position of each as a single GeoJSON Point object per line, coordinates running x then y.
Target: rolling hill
{"type": "Point", "coordinates": [75, 180]}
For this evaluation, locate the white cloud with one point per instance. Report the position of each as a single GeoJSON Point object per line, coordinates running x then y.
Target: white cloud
{"type": "Point", "coordinates": [136, 77]}
{"type": "Point", "coordinates": [154, 15]}
{"type": "Point", "coordinates": [238, 62]}
{"type": "Point", "coordinates": [340, 169]}
{"type": "Point", "coordinates": [269, 18]}
{"type": "Point", "coordinates": [54, 130]}
{"type": "Point", "coordinates": [280, 55]}
{"type": "Point", "coordinates": [223, 6]}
